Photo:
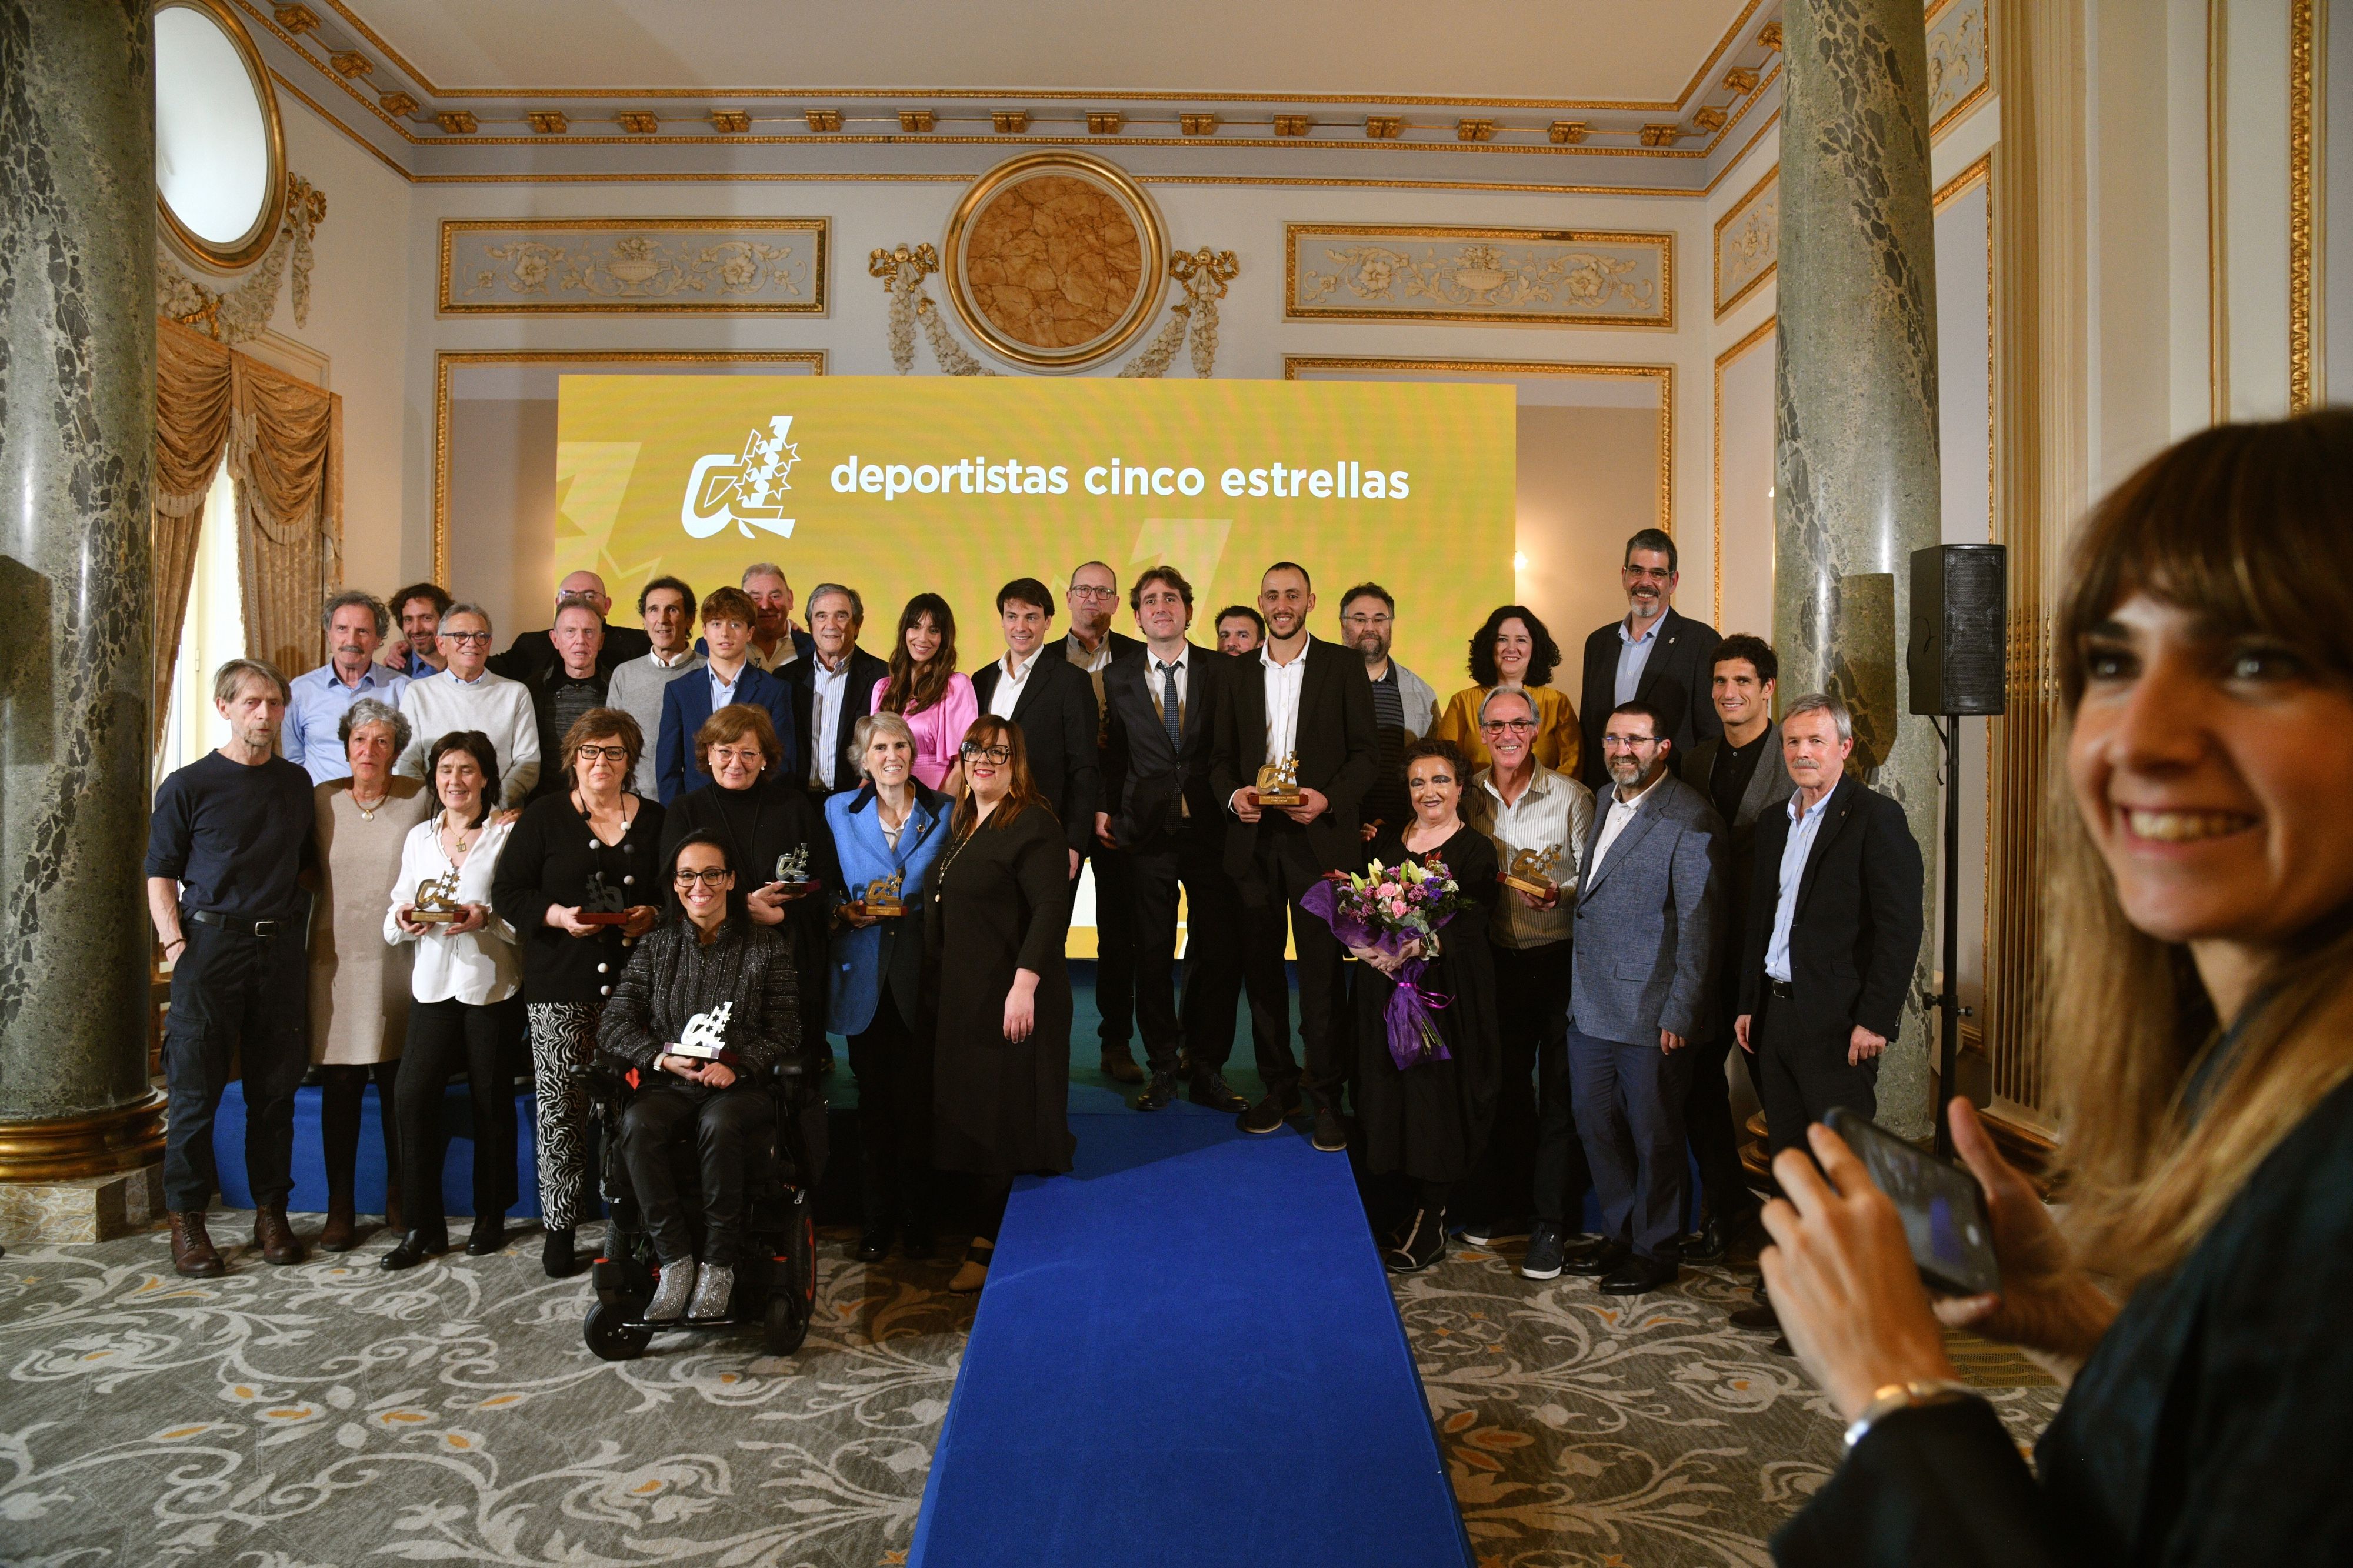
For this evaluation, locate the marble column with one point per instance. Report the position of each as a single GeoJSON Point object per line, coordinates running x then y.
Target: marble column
{"type": "Point", "coordinates": [1856, 414]}
{"type": "Point", "coordinates": [80, 1132]}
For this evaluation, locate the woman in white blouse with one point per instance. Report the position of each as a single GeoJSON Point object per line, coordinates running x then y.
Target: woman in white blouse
{"type": "Point", "coordinates": [467, 1006]}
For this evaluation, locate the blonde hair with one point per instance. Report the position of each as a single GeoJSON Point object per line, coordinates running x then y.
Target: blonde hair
{"type": "Point", "coordinates": [2244, 526]}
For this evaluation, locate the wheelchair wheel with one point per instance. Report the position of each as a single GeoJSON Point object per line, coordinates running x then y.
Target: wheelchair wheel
{"type": "Point", "coordinates": [792, 1295]}
{"type": "Point", "coordinates": [608, 1339]}
{"type": "Point", "coordinates": [787, 1323]}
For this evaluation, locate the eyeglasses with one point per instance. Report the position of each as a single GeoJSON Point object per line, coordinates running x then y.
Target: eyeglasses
{"type": "Point", "coordinates": [467, 637]}
{"type": "Point", "coordinates": [1079, 592]}
{"type": "Point", "coordinates": [1366, 620]}
{"type": "Point", "coordinates": [1514, 726]}
{"type": "Point", "coordinates": [972, 750]}
{"type": "Point", "coordinates": [603, 754]}
{"type": "Point", "coordinates": [715, 878]}
{"type": "Point", "coordinates": [1627, 743]}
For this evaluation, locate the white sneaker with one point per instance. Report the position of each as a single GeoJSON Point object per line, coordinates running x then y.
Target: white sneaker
{"type": "Point", "coordinates": [669, 1297]}
{"type": "Point", "coordinates": [714, 1290]}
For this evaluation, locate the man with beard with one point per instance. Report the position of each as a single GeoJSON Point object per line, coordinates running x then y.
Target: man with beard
{"type": "Point", "coordinates": [1649, 905]}
{"type": "Point", "coordinates": [418, 610]}
{"type": "Point", "coordinates": [1403, 702]}
{"type": "Point", "coordinates": [1092, 646]}
{"type": "Point", "coordinates": [1240, 630]}
{"type": "Point", "coordinates": [1308, 703]}
{"type": "Point", "coordinates": [355, 623]}
{"type": "Point", "coordinates": [1656, 657]}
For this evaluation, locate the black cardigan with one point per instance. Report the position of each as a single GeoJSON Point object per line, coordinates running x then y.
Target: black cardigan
{"type": "Point", "coordinates": [2210, 1428]}
{"type": "Point", "coordinates": [676, 975]}
{"type": "Point", "coordinates": [548, 862]}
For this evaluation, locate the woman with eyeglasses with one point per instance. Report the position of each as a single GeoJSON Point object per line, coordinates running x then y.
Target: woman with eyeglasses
{"type": "Point", "coordinates": [925, 688]}
{"type": "Point", "coordinates": [1001, 1068]}
{"type": "Point", "coordinates": [711, 979]}
{"type": "Point", "coordinates": [1513, 652]}
{"type": "Point", "coordinates": [466, 998]}
{"type": "Point", "coordinates": [580, 881]}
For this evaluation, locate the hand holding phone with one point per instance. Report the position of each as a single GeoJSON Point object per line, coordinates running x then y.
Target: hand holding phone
{"type": "Point", "coordinates": [1943, 1209]}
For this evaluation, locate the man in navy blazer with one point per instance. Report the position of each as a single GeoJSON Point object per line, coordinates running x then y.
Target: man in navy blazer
{"type": "Point", "coordinates": [728, 677]}
{"type": "Point", "coordinates": [1656, 656]}
{"type": "Point", "coordinates": [1642, 964]}
{"type": "Point", "coordinates": [1052, 702]}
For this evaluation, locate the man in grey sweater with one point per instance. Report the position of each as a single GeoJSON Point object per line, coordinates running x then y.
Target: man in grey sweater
{"type": "Point", "coordinates": [635, 689]}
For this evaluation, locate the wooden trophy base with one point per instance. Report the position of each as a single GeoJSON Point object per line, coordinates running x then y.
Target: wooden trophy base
{"type": "Point", "coordinates": [1538, 890]}
{"type": "Point", "coordinates": [617, 917]}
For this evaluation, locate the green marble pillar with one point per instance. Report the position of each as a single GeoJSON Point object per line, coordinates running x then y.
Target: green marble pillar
{"type": "Point", "coordinates": [78, 1127]}
{"type": "Point", "coordinates": [1855, 413]}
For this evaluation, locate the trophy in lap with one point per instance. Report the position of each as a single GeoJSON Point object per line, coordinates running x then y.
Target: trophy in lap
{"type": "Point", "coordinates": [705, 1035]}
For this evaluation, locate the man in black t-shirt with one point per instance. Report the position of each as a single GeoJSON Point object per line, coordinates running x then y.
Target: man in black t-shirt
{"type": "Point", "coordinates": [227, 851]}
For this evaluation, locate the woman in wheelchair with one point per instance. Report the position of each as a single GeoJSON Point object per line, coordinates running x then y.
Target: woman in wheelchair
{"type": "Point", "coordinates": [708, 1006]}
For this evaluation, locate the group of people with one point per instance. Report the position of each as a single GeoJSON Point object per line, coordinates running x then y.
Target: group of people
{"type": "Point", "coordinates": [527, 844]}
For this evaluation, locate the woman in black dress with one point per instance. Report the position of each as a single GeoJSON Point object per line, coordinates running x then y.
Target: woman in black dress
{"type": "Point", "coordinates": [1430, 1122]}
{"type": "Point", "coordinates": [1001, 1081]}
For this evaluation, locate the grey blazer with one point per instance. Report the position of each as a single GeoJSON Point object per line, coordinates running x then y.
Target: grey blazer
{"type": "Point", "coordinates": [1649, 921]}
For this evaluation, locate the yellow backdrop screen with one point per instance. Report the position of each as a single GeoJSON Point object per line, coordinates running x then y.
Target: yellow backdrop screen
{"type": "Point", "coordinates": [899, 486]}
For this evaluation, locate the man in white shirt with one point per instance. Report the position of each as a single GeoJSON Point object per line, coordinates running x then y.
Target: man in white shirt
{"type": "Point", "coordinates": [1092, 646]}
{"type": "Point", "coordinates": [355, 625]}
{"type": "Point", "coordinates": [1053, 702]}
{"type": "Point", "coordinates": [667, 607]}
{"type": "Point", "coordinates": [776, 642]}
{"type": "Point", "coordinates": [834, 688]}
{"type": "Point", "coordinates": [1523, 806]}
{"type": "Point", "coordinates": [467, 696]}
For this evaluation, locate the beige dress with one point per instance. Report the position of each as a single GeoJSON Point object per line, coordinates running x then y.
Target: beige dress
{"type": "Point", "coordinates": [359, 982]}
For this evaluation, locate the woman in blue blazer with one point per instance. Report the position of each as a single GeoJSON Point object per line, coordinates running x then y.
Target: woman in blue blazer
{"type": "Point", "coordinates": [892, 826]}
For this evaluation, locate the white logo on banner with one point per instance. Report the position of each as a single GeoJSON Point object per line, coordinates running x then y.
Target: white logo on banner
{"type": "Point", "coordinates": [746, 491]}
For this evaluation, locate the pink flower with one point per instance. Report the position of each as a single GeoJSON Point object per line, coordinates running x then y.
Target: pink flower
{"type": "Point", "coordinates": [1398, 908]}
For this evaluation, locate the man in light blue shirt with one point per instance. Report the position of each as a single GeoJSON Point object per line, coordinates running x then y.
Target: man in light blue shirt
{"type": "Point", "coordinates": [1633, 653]}
{"type": "Point", "coordinates": [1805, 824]}
{"type": "Point", "coordinates": [357, 624]}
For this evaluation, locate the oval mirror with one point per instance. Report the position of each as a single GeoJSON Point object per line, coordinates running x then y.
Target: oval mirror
{"type": "Point", "coordinates": [220, 153]}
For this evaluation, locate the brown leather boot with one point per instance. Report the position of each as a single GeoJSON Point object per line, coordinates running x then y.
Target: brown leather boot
{"type": "Point", "coordinates": [275, 1237]}
{"type": "Point", "coordinates": [192, 1248]}
{"type": "Point", "coordinates": [341, 1229]}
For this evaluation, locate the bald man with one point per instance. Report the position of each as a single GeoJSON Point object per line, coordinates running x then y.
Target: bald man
{"type": "Point", "coordinates": [531, 655]}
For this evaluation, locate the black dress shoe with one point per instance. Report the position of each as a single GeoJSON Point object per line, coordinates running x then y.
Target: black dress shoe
{"type": "Point", "coordinates": [1211, 1090]}
{"type": "Point", "coordinates": [874, 1241]}
{"type": "Point", "coordinates": [1717, 1237]}
{"type": "Point", "coordinates": [558, 1258]}
{"type": "Point", "coordinates": [1638, 1276]}
{"type": "Point", "coordinates": [1268, 1115]}
{"type": "Point", "coordinates": [414, 1248]}
{"type": "Point", "coordinates": [1597, 1260]}
{"type": "Point", "coordinates": [1759, 1319]}
{"type": "Point", "coordinates": [1159, 1094]}
{"type": "Point", "coordinates": [489, 1236]}
{"type": "Point", "coordinates": [1421, 1244]}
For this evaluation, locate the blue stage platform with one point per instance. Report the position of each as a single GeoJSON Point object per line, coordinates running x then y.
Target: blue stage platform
{"type": "Point", "coordinates": [1188, 1354]}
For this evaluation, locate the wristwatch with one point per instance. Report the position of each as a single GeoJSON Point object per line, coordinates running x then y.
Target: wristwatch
{"type": "Point", "coordinates": [1887, 1400]}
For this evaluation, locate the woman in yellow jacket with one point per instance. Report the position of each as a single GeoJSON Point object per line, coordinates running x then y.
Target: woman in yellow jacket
{"type": "Point", "coordinates": [1513, 650]}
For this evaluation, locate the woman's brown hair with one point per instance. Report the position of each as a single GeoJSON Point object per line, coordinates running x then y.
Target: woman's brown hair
{"type": "Point", "coordinates": [914, 687]}
{"type": "Point", "coordinates": [2246, 527]}
{"type": "Point", "coordinates": [1020, 795]}
{"type": "Point", "coordinates": [729, 726]}
{"type": "Point", "coordinates": [594, 725]}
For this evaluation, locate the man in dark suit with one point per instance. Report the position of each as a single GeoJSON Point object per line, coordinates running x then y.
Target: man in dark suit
{"type": "Point", "coordinates": [1162, 818]}
{"type": "Point", "coordinates": [1092, 646]}
{"type": "Point", "coordinates": [1306, 701]}
{"type": "Point", "coordinates": [533, 654]}
{"type": "Point", "coordinates": [1649, 909]}
{"type": "Point", "coordinates": [1052, 702]}
{"type": "Point", "coordinates": [728, 677]}
{"type": "Point", "coordinates": [832, 689]}
{"type": "Point", "coordinates": [1656, 656]}
{"type": "Point", "coordinates": [1741, 774]}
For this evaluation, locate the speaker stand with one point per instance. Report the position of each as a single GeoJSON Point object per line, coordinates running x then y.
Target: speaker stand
{"type": "Point", "coordinates": [1947, 1000]}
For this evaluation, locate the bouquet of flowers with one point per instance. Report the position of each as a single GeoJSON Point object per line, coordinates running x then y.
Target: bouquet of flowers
{"type": "Point", "coordinates": [1388, 907]}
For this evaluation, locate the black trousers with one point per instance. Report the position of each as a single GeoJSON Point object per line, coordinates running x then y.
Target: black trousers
{"type": "Point", "coordinates": [1798, 1081]}
{"type": "Point", "coordinates": [725, 1121]}
{"type": "Point", "coordinates": [1202, 1025]}
{"type": "Point", "coordinates": [894, 1110]}
{"type": "Point", "coordinates": [339, 1123]}
{"type": "Point", "coordinates": [1708, 1122]}
{"type": "Point", "coordinates": [1115, 967]}
{"type": "Point", "coordinates": [442, 1038]}
{"type": "Point", "coordinates": [1281, 869]}
{"type": "Point", "coordinates": [240, 1006]}
{"type": "Point", "coordinates": [1531, 1018]}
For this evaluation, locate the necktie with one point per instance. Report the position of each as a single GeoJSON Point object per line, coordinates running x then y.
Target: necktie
{"type": "Point", "coordinates": [1172, 714]}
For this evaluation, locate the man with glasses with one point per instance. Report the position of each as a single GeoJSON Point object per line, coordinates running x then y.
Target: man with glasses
{"type": "Point", "coordinates": [1403, 702]}
{"type": "Point", "coordinates": [467, 696]}
{"type": "Point", "coordinates": [1526, 808]}
{"type": "Point", "coordinates": [1092, 646]}
{"type": "Point", "coordinates": [1656, 657]}
{"type": "Point", "coordinates": [1648, 906]}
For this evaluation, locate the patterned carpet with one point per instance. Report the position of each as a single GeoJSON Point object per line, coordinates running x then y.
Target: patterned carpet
{"type": "Point", "coordinates": [326, 1413]}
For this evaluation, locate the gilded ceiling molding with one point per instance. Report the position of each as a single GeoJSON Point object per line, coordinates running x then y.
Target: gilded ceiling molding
{"type": "Point", "coordinates": [1960, 61]}
{"type": "Point", "coordinates": [725, 267]}
{"type": "Point", "coordinates": [811, 362]}
{"type": "Point", "coordinates": [1511, 277]}
{"type": "Point", "coordinates": [2217, 208]}
{"type": "Point", "coordinates": [2303, 95]}
{"type": "Point", "coordinates": [1308, 367]}
{"type": "Point", "coordinates": [1763, 330]}
{"type": "Point", "coordinates": [1749, 243]}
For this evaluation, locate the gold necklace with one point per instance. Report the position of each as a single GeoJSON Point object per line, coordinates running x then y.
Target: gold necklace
{"type": "Point", "coordinates": [367, 813]}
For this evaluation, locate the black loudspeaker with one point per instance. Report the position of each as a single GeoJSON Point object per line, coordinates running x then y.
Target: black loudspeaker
{"type": "Point", "coordinates": [1960, 595]}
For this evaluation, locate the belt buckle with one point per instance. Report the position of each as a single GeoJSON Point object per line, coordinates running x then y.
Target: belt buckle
{"type": "Point", "coordinates": [267, 928]}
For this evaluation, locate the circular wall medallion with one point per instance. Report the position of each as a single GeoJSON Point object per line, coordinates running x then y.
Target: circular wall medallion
{"type": "Point", "coordinates": [220, 151]}
{"type": "Point", "coordinates": [1056, 260]}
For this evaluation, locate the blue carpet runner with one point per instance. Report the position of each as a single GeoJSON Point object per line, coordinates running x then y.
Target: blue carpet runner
{"type": "Point", "coordinates": [1188, 1354]}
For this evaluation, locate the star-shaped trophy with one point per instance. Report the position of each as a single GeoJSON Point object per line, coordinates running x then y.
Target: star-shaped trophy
{"type": "Point", "coordinates": [603, 904]}
{"type": "Point", "coordinates": [705, 1035]}
{"type": "Point", "coordinates": [1278, 784]}
{"type": "Point", "coordinates": [882, 897]}
{"type": "Point", "coordinates": [437, 901]}
{"type": "Point", "coordinates": [792, 868]}
{"type": "Point", "coordinates": [1527, 872]}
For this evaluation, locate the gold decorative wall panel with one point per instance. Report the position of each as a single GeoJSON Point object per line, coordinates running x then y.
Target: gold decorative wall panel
{"type": "Point", "coordinates": [1960, 61]}
{"type": "Point", "coordinates": [1517, 276]}
{"type": "Point", "coordinates": [1748, 242]}
{"type": "Point", "coordinates": [712, 267]}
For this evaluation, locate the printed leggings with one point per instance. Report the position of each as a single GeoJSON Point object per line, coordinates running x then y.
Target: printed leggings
{"type": "Point", "coordinates": [562, 1044]}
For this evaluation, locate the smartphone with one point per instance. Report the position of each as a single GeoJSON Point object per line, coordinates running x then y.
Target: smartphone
{"type": "Point", "coordinates": [1943, 1209]}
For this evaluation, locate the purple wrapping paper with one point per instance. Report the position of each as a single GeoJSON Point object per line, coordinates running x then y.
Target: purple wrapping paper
{"type": "Point", "coordinates": [1412, 1027]}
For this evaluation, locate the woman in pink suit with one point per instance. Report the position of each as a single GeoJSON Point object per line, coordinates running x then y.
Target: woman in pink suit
{"type": "Point", "coordinates": [924, 688]}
